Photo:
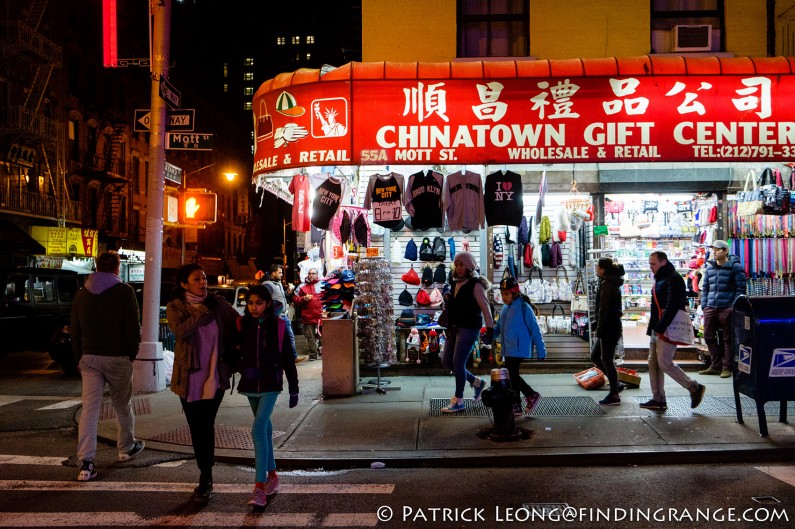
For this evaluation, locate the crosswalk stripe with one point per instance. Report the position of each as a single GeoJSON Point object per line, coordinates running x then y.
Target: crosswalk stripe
{"type": "Point", "coordinates": [131, 519]}
{"type": "Point", "coordinates": [783, 473]}
{"type": "Point", "coordinates": [360, 519]}
{"type": "Point", "coordinates": [9, 399]}
{"type": "Point", "coordinates": [222, 488]}
{"type": "Point", "coordinates": [31, 460]}
{"type": "Point", "coordinates": [62, 405]}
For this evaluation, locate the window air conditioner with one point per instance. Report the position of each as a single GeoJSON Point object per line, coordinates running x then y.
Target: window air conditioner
{"type": "Point", "coordinates": [692, 38]}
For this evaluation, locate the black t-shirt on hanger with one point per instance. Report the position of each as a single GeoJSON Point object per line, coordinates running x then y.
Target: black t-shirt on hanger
{"type": "Point", "coordinates": [424, 200]}
{"type": "Point", "coordinates": [502, 199]}
{"type": "Point", "coordinates": [328, 197]}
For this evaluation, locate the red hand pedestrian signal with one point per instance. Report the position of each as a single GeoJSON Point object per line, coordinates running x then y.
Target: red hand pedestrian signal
{"type": "Point", "coordinates": [198, 207]}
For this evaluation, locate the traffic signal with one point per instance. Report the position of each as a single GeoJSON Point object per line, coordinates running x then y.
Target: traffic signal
{"type": "Point", "coordinates": [198, 207]}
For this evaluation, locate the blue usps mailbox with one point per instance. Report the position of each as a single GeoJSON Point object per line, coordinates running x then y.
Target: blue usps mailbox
{"type": "Point", "coordinates": [764, 352]}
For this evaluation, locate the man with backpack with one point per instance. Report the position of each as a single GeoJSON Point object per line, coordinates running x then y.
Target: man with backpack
{"type": "Point", "coordinates": [520, 334]}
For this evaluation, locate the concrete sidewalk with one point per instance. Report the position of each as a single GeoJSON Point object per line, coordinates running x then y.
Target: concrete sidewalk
{"type": "Point", "coordinates": [404, 428]}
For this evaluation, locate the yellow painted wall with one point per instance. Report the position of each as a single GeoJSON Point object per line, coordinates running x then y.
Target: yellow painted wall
{"type": "Point", "coordinates": [408, 30]}
{"type": "Point", "coordinates": [746, 28]}
{"type": "Point", "coordinates": [589, 28]}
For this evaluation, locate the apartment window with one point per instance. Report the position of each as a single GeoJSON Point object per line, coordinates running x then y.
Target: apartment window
{"type": "Point", "coordinates": [493, 28]}
{"type": "Point", "coordinates": [248, 61]}
{"type": "Point", "coordinates": [681, 26]}
{"type": "Point", "coordinates": [310, 39]}
{"type": "Point", "coordinates": [297, 57]}
{"type": "Point", "coordinates": [296, 40]}
{"type": "Point", "coordinates": [280, 41]}
{"type": "Point", "coordinates": [248, 76]}
{"type": "Point", "coordinates": [308, 56]}
{"type": "Point", "coordinates": [226, 70]}
{"type": "Point", "coordinates": [248, 90]}
{"type": "Point", "coordinates": [247, 105]}
{"type": "Point", "coordinates": [226, 87]}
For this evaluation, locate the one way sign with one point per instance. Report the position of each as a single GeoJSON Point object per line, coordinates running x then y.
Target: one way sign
{"type": "Point", "coordinates": [181, 120]}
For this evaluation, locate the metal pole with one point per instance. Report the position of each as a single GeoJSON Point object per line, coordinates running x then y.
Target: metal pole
{"type": "Point", "coordinates": [149, 371]}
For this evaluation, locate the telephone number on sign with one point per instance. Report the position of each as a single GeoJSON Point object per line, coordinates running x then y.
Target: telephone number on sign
{"type": "Point", "coordinates": [743, 151]}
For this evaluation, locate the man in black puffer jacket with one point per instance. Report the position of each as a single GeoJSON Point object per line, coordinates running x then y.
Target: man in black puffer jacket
{"type": "Point", "coordinates": [724, 281]}
{"type": "Point", "coordinates": [667, 299]}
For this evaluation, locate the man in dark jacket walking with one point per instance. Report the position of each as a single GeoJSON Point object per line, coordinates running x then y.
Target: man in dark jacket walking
{"type": "Point", "coordinates": [105, 332]}
{"type": "Point", "coordinates": [724, 281]}
{"type": "Point", "coordinates": [668, 297]}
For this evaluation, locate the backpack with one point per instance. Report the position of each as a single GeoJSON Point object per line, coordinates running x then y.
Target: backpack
{"type": "Point", "coordinates": [440, 275]}
{"type": "Point", "coordinates": [427, 276]}
{"type": "Point", "coordinates": [439, 249]}
{"type": "Point", "coordinates": [426, 252]}
{"type": "Point", "coordinates": [411, 250]}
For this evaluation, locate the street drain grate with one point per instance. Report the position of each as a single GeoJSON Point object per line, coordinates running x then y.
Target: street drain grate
{"type": "Point", "coordinates": [140, 406]}
{"type": "Point", "coordinates": [547, 406]}
{"type": "Point", "coordinates": [680, 405]}
{"type": "Point", "coordinates": [749, 406]}
{"type": "Point", "coordinates": [225, 437]}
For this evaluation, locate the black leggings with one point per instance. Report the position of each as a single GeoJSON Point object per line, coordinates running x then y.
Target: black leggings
{"type": "Point", "coordinates": [518, 385]}
{"type": "Point", "coordinates": [200, 415]}
{"type": "Point", "coordinates": [602, 354]}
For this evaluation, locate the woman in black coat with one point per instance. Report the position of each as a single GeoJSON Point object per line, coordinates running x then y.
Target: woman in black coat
{"type": "Point", "coordinates": [608, 325]}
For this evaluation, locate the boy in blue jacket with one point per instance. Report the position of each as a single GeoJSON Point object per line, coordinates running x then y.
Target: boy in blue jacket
{"type": "Point", "coordinates": [519, 330]}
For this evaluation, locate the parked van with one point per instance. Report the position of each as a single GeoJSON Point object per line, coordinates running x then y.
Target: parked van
{"type": "Point", "coordinates": [35, 307]}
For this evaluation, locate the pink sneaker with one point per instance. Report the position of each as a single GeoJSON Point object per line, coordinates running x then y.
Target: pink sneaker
{"type": "Point", "coordinates": [272, 485]}
{"type": "Point", "coordinates": [259, 498]}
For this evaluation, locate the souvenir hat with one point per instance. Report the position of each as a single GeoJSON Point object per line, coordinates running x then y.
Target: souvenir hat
{"type": "Point", "coordinates": [436, 298]}
{"type": "Point", "coordinates": [347, 276]}
{"type": "Point", "coordinates": [423, 319]}
{"type": "Point", "coordinates": [423, 299]}
{"type": "Point", "coordinates": [411, 277]}
{"type": "Point", "coordinates": [407, 318]}
{"type": "Point", "coordinates": [405, 298]}
{"type": "Point", "coordinates": [286, 105]}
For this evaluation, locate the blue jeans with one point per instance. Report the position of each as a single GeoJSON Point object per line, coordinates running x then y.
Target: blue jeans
{"type": "Point", "coordinates": [456, 352]}
{"type": "Point", "coordinates": [262, 432]}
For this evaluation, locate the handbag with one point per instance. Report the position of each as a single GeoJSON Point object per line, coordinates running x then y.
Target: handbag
{"type": "Point", "coordinates": [558, 324]}
{"type": "Point", "coordinates": [614, 207]}
{"type": "Point", "coordinates": [542, 324]}
{"type": "Point", "coordinates": [749, 201]}
{"type": "Point", "coordinates": [579, 326]}
{"type": "Point", "coordinates": [775, 198]}
{"type": "Point", "coordinates": [264, 122]}
{"type": "Point", "coordinates": [561, 287]}
{"type": "Point", "coordinates": [627, 229]}
{"type": "Point", "coordinates": [680, 331]}
{"type": "Point", "coordinates": [538, 290]}
{"type": "Point", "coordinates": [579, 297]}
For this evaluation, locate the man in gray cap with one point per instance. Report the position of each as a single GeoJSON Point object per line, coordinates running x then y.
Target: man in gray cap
{"type": "Point", "coordinates": [724, 281]}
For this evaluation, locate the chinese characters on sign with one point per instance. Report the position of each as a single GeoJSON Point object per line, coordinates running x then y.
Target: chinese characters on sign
{"type": "Point", "coordinates": [537, 120]}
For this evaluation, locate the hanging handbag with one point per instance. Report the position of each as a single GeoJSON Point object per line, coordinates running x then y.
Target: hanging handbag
{"type": "Point", "coordinates": [579, 297]}
{"type": "Point", "coordinates": [561, 287]}
{"type": "Point", "coordinates": [264, 122]}
{"type": "Point", "coordinates": [749, 201]}
{"type": "Point", "coordinates": [579, 325]}
{"type": "Point", "coordinates": [558, 324]}
{"type": "Point", "coordinates": [538, 290]}
{"type": "Point", "coordinates": [775, 198]}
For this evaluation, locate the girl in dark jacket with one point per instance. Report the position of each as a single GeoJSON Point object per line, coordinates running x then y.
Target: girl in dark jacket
{"type": "Point", "coordinates": [608, 325]}
{"type": "Point", "coordinates": [267, 354]}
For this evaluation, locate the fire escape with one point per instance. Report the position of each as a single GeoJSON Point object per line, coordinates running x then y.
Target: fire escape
{"type": "Point", "coordinates": [33, 182]}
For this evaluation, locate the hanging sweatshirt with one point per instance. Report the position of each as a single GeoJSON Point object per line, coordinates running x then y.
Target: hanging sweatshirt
{"type": "Point", "coordinates": [463, 196]}
{"type": "Point", "coordinates": [503, 199]}
{"type": "Point", "coordinates": [384, 197]}
{"type": "Point", "coordinates": [330, 192]}
{"type": "Point", "coordinates": [423, 200]}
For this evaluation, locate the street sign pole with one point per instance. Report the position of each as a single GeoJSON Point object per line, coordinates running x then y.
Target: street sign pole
{"type": "Point", "coordinates": [149, 370]}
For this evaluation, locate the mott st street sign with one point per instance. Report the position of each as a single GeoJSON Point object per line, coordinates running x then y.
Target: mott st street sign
{"type": "Point", "coordinates": [181, 120]}
{"type": "Point", "coordinates": [193, 141]}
